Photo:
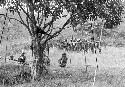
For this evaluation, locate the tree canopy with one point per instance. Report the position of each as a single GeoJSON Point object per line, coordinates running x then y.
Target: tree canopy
{"type": "Point", "coordinates": [80, 11]}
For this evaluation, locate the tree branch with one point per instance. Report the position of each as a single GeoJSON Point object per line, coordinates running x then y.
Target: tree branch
{"type": "Point", "coordinates": [2, 15]}
{"type": "Point", "coordinates": [27, 19]}
{"type": "Point", "coordinates": [42, 19]}
{"type": "Point", "coordinates": [22, 23]}
{"type": "Point", "coordinates": [58, 32]}
{"type": "Point", "coordinates": [24, 11]}
{"type": "Point", "coordinates": [48, 24]}
{"type": "Point", "coordinates": [38, 17]}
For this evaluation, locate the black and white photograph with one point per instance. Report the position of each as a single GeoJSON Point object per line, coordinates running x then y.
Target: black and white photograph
{"type": "Point", "coordinates": [62, 43]}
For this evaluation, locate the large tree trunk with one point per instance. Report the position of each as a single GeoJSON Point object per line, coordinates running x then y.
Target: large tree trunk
{"type": "Point", "coordinates": [38, 47]}
{"type": "Point", "coordinates": [38, 52]}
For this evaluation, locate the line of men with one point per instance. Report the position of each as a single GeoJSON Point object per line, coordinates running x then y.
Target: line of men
{"type": "Point", "coordinates": [78, 45]}
{"type": "Point", "coordinates": [21, 59]}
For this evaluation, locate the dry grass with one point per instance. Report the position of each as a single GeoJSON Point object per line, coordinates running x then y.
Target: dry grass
{"type": "Point", "coordinates": [78, 79]}
{"type": "Point", "coordinates": [11, 74]}
{"type": "Point", "coordinates": [73, 75]}
{"type": "Point", "coordinates": [66, 77]}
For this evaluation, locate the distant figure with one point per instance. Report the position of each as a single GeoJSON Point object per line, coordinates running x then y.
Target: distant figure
{"type": "Point", "coordinates": [11, 57]}
{"type": "Point", "coordinates": [22, 58]}
{"type": "Point", "coordinates": [63, 60]}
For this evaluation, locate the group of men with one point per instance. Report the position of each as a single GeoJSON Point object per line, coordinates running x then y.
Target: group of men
{"type": "Point", "coordinates": [21, 59]}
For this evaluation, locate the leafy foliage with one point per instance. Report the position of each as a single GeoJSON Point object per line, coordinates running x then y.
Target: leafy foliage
{"type": "Point", "coordinates": [92, 9]}
{"type": "Point", "coordinates": [80, 12]}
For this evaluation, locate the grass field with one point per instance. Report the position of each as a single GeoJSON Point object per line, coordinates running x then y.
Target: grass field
{"type": "Point", "coordinates": [73, 77]}
{"type": "Point", "coordinates": [111, 71]}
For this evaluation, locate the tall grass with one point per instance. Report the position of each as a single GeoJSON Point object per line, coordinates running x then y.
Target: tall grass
{"type": "Point", "coordinates": [13, 74]}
